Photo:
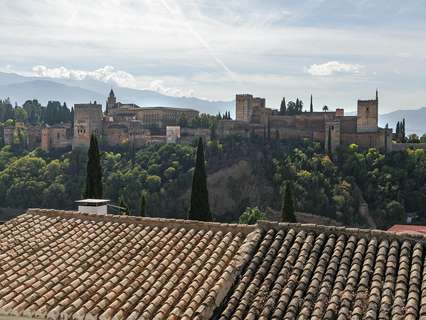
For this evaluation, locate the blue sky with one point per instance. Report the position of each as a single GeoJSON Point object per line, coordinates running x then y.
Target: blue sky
{"type": "Point", "coordinates": [338, 50]}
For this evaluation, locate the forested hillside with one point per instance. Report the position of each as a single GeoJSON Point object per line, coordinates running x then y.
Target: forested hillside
{"type": "Point", "coordinates": [392, 184]}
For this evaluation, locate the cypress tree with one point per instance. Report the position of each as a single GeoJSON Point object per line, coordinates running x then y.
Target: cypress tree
{"type": "Point", "coordinates": [200, 208]}
{"type": "Point", "coordinates": [386, 137]}
{"type": "Point", "coordinates": [329, 141]}
{"type": "Point", "coordinates": [283, 107]}
{"type": "Point", "coordinates": [312, 105]}
{"type": "Point", "coordinates": [403, 130]}
{"type": "Point", "coordinates": [397, 131]}
{"type": "Point", "coordinates": [287, 211]}
{"type": "Point", "coordinates": [143, 205]}
{"type": "Point", "coordinates": [94, 171]}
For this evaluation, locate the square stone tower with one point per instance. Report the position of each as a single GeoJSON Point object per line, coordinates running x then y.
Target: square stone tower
{"type": "Point", "coordinates": [87, 120]}
{"type": "Point", "coordinates": [245, 104]}
{"type": "Point", "coordinates": [368, 115]}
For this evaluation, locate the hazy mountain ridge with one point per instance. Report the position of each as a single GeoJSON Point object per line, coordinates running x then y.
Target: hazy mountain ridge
{"type": "Point", "coordinates": [415, 120]}
{"type": "Point", "coordinates": [19, 89]}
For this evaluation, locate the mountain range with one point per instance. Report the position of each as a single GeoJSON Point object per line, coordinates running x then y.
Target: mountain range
{"type": "Point", "coordinates": [415, 120]}
{"type": "Point", "coordinates": [21, 88]}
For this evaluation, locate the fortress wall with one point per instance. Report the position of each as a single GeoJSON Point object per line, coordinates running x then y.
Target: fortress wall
{"type": "Point", "coordinates": [188, 135]}
{"type": "Point", "coordinates": [348, 124]}
{"type": "Point", "coordinates": [365, 140]}
{"type": "Point", "coordinates": [299, 134]}
{"type": "Point", "coordinates": [308, 120]}
{"type": "Point", "coordinates": [115, 136]}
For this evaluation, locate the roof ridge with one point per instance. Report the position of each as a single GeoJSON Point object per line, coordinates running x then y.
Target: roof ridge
{"type": "Point", "coordinates": [358, 232]}
{"type": "Point", "coordinates": [171, 223]}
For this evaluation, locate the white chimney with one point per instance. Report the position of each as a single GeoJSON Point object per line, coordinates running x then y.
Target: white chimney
{"type": "Point", "coordinates": [93, 206]}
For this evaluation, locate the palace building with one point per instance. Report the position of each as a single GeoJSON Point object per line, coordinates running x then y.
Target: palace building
{"type": "Point", "coordinates": [125, 123]}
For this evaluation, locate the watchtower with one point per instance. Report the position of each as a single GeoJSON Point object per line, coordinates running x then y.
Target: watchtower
{"type": "Point", "coordinates": [368, 115]}
{"type": "Point", "coordinates": [111, 102]}
{"type": "Point", "coordinates": [245, 106]}
{"type": "Point", "coordinates": [87, 121]}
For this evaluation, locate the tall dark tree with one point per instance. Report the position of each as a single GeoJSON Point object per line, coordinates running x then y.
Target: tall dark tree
{"type": "Point", "coordinates": [287, 211]}
{"type": "Point", "coordinates": [200, 208]}
{"type": "Point", "coordinates": [403, 131]}
{"type": "Point", "coordinates": [283, 107]}
{"type": "Point", "coordinates": [312, 105]}
{"type": "Point", "coordinates": [94, 171]}
{"type": "Point", "coordinates": [143, 205]}
{"type": "Point", "coordinates": [386, 137]}
{"type": "Point", "coordinates": [329, 141]}
{"type": "Point", "coordinates": [397, 131]}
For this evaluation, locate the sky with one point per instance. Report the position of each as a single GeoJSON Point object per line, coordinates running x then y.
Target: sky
{"type": "Point", "coordinates": [337, 50]}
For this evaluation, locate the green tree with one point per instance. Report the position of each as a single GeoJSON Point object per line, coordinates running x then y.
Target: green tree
{"type": "Point", "coordinates": [395, 213]}
{"type": "Point", "coordinates": [312, 105]}
{"type": "Point", "coordinates": [403, 130]}
{"type": "Point", "coordinates": [251, 216]}
{"type": "Point", "coordinates": [153, 183]}
{"type": "Point", "coordinates": [283, 107]}
{"type": "Point", "coordinates": [325, 108]}
{"type": "Point", "coordinates": [200, 208]}
{"type": "Point", "coordinates": [287, 211]}
{"type": "Point", "coordinates": [94, 171]}
{"type": "Point", "coordinates": [143, 204]}
{"type": "Point", "coordinates": [123, 207]}
{"type": "Point", "coordinates": [20, 114]}
{"type": "Point", "coordinates": [413, 138]}
{"type": "Point", "coordinates": [423, 138]}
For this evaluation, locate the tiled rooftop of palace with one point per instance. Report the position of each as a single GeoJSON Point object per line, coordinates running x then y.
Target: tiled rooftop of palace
{"type": "Point", "coordinates": [64, 265]}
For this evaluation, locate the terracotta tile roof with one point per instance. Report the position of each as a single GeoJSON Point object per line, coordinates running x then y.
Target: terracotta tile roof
{"type": "Point", "coordinates": [62, 265]}
{"type": "Point", "coordinates": [408, 228]}
{"type": "Point", "coordinates": [315, 272]}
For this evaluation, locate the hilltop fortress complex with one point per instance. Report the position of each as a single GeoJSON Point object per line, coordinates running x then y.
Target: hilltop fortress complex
{"type": "Point", "coordinates": [330, 128]}
{"type": "Point", "coordinates": [128, 124]}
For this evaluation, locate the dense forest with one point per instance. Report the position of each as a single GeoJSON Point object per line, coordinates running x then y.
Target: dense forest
{"type": "Point", "coordinates": [392, 185]}
{"type": "Point", "coordinates": [33, 112]}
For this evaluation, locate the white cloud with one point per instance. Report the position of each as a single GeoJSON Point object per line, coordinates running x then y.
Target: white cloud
{"type": "Point", "coordinates": [158, 86]}
{"type": "Point", "coordinates": [105, 74]}
{"type": "Point", "coordinates": [109, 74]}
{"type": "Point", "coordinates": [333, 67]}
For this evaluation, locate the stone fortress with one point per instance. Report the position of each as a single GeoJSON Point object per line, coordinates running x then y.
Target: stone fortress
{"type": "Point", "coordinates": [130, 125]}
{"type": "Point", "coordinates": [125, 123]}
{"type": "Point", "coordinates": [330, 128]}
